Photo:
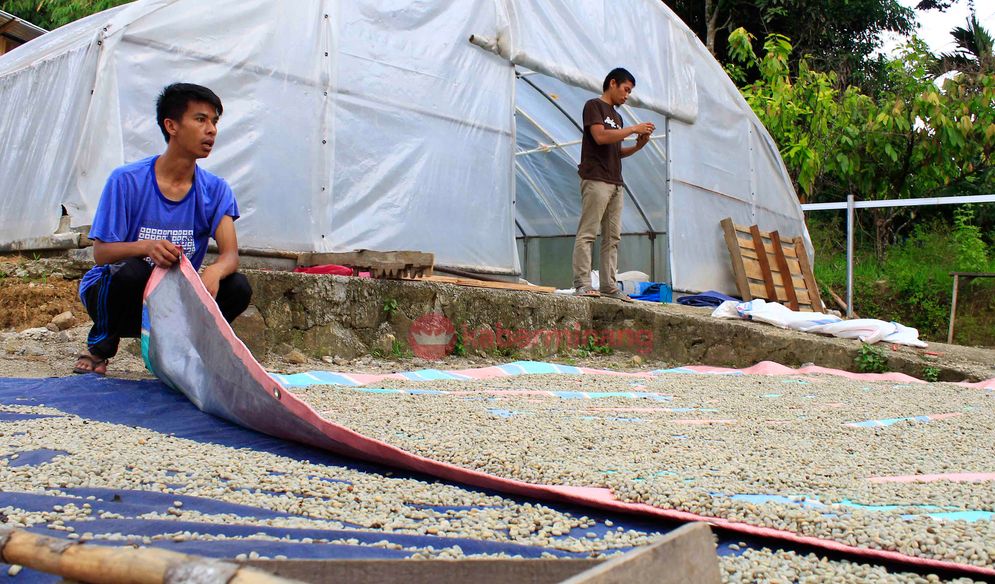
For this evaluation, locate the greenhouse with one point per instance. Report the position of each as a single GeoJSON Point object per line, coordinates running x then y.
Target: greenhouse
{"type": "Point", "coordinates": [446, 127]}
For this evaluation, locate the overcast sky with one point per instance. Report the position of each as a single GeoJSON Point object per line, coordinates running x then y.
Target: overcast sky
{"type": "Point", "coordinates": [935, 26]}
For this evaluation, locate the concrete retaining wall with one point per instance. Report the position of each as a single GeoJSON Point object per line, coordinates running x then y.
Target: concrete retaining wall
{"type": "Point", "coordinates": [349, 317]}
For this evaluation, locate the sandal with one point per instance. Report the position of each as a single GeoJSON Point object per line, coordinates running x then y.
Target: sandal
{"type": "Point", "coordinates": [96, 365]}
{"type": "Point", "coordinates": [587, 291]}
{"type": "Point", "coordinates": [617, 294]}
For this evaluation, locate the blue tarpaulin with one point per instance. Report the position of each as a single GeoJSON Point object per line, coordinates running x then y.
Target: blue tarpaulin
{"type": "Point", "coordinates": [154, 406]}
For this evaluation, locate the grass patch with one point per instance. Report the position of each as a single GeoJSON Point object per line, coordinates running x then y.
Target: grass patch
{"type": "Point", "coordinates": [912, 285]}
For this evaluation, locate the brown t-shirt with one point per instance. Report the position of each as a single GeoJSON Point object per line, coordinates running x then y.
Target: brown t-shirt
{"type": "Point", "coordinates": [597, 161]}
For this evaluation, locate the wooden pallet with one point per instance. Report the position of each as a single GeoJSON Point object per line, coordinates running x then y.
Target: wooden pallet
{"type": "Point", "coordinates": [380, 264]}
{"type": "Point", "coordinates": [488, 284]}
{"type": "Point", "coordinates": [769, 267]}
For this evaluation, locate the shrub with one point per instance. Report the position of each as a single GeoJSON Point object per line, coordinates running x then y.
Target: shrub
{"type": "Point", "coordinates": [871, 359]}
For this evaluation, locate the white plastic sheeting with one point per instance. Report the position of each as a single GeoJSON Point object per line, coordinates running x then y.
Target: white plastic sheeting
{"type": "Point", "coordinates": [376, 124]}
{"type": "Point", "coordinates": [724, 165]}
{"type": "Point", "coordinates": [867, 330]}
{"type": "Point", "coordinates": [347, 124]}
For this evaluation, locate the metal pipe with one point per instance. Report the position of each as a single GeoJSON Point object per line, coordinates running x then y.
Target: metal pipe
{"type": "Point", "coordinates": [576, 78]}
{"type": "Point", "coordinates": [652, 237]}
{"type": "Point", "coordinates": [958, 200]}
{"type": "Point", "coordinates": [573, 235]}
{"type": "Point", "coordinates": [849, 255]}
{"type": "Point", "coordinates": [525, 258]}
{"type": "Point", "coordinates": [471, 275]}
{"type": "Point", "coordinates": [545, 148]}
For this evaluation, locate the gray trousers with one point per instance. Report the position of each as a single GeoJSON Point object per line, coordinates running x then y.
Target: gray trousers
{"type": "Point", "coordinates": [601, 206]}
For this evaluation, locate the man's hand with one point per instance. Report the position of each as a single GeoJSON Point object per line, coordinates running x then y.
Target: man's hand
{"type": "Point", "coordinates": [163, 253]}
{"type": "Point", "coordinates": [227, 262]}
{"type": "Point", "coordinates": [643, 132]}
{"type": "Point", "coordinates": [212, 280]}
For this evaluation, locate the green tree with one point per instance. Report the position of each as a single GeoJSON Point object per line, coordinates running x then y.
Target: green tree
{"type": "Point", "coordinates": [910, 139]}
{"type": "Point", "coordinates": [834, 35]}
{"type": "Point", "coordinates": [51, 14]}
{"type": "Point", "coordinates": [972, 252]}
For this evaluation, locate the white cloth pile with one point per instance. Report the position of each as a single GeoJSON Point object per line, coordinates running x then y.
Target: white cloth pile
{"type": "Point", "coordinates": [868, 330]}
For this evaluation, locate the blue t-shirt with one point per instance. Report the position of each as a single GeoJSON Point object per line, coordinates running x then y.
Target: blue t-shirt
{"type": "Point", "coordinates": [132, 208]}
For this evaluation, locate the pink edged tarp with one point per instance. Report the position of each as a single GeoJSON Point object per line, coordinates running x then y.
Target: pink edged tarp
{"type": "Point", "coordinates": [190, 347]}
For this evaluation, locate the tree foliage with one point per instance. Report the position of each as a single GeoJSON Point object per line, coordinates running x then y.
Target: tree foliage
{"type": "Point", "coordinates": [972, 252]}
{"type": "Point", "coordinates": [912, 138]}
{"type": "Point", "coordinates": [940, 5]}
{"type": "Point", "coordinates": [51, 14]}
{"type": "Point", "coordinates": [975, 51]}
{"type": "Point", "coordinates": [834, 35]}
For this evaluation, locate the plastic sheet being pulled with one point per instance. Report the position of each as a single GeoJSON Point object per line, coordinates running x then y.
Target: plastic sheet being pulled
{"type": "Point", "coordinates": [188, 344]}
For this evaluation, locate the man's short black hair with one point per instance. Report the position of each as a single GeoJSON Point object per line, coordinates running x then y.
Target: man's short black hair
{"type": "Point", "coordinates": [172, 103]}
{"type": "Point", "coordinates": [619, 76]}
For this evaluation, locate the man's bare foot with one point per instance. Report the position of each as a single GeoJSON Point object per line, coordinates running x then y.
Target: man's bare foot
{"type": "Point", "coordinates": [88, 363]}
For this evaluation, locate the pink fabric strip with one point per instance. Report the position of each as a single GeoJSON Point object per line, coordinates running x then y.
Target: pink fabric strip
{"type": "Point", "coordinates": [771, 368]}
{"type": "Point", "coordinates": [363, 378]}
{"type": "Point", "coordinates": [986, 384]}
{"type": "Point", "coordinates": [637, 410]}
{"type": "Point", "coordinates": [484, 373]}
{"type": "Point", "coordinates": [351, 443]}
{"type": "Point", "coordinates": [945, 416]}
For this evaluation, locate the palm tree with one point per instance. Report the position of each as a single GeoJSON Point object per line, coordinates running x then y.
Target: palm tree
{"type": "Point", "coordinates": [975, 53]}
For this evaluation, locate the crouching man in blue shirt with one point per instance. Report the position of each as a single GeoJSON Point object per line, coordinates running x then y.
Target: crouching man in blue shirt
{"type": "Point", "coordinates": [150, 212]}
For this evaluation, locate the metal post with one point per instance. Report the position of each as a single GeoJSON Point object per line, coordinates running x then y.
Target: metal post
{"type": "Point", "coordinates": [849, 255]}
{"type": "Point", "coordinates": [953, 311]}
{"type": "Point", "coordinates": [652, 237]}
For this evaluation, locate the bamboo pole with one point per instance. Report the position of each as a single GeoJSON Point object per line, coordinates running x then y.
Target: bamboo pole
{"type": "Point", "coordinates": [121, 565]}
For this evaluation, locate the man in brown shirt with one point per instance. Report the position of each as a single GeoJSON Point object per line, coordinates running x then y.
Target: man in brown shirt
{"type": "Point", "coordinates": [601, 186]}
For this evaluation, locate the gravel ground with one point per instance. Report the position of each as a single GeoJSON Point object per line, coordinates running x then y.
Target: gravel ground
{"type": "Point", "coordinates": [765, 565]}
{"type": "Point", "coordinates": [699, 442]}
{"type": "Point", "coordinates": [121, 457]}
{"type": "Point", "coordinates": [39, 352]}
{"type": "Point", "coordinates": [752, 439]}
